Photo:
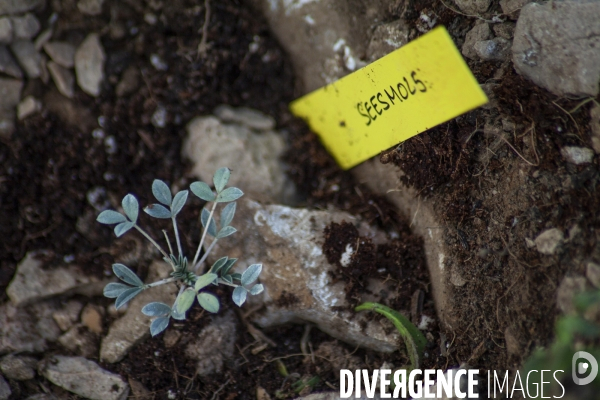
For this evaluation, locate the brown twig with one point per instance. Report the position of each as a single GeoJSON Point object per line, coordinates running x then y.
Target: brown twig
{"type": "Point", "coordinates": [516, 152]}
{"type": "Point", "coordinates": [570, 116]}
{"type": "Point", "coordinates": [203, 46]}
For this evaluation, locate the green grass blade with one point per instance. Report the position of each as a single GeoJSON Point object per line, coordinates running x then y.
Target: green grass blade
{"type": "Point", "coordinates": [413, 338]}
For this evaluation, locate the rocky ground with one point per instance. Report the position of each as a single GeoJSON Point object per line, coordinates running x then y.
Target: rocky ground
{"type": "Point", "coordinates": [480, 230]}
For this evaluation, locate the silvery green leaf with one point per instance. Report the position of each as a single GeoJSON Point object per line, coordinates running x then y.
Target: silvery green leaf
{"type": "Point", "coordinates": [209, 302]}
{"type": "Point", "coordinates": [185, 300]}
{"type": "Point", "coordinates": [236, 276]}
{"type": "Point", "coordinates": [161, 191]}
{"type": "Point", "coordinates": [179, 201]}
{"type": "Point", "coordinates": [212, 229]}
{"type": "Point", "coordinates": [227, 214]}
{"type": "Point", "coordinates": [218, 264]}
{"type": "Point", "coordinates": [251, 274]}
{"type": "Point", "coordinates": [220, 178]}
{"type": "Point", "coordinates": [123, 227]}
{"type": "Point", "coordinates": [159, 325]}
{"type": "Point", "coordinates": [229, 194]}
{"type": "Point", "coordinates": [131, 207]}
{"type": "Point", "coordinates": [227, 278]}
{"type": "Point", "coordinates": [113, 289]}
{"type": "Point", "coordinates": [228, 265]}
{"type": "Point", "coordinates": [127, 275]}
{"type": "Point", "coordinates": [203, 191]}
{"type": "Point", "coordinates": [257, 289]}
{"type": "Point", "coordinates": [176, 314]}
{"type": "Point", "coordinates": [110, 217]}
{"type": "Point", "coordinates": [204, 280]}
{"type": "Point", "coordinates": [228, 230]}
{"type": "Point", "coordinates": [239, 295]}
{"type": "Point", "coordinates": [158, 211]}
{"type": "Point", "coordinates": [156, 309]}
{"type": "Point", "coordinates": [126, 296]}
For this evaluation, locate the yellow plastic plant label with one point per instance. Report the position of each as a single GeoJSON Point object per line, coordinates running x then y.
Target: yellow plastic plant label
{"type": "Point", "coordinates": [412, 89]}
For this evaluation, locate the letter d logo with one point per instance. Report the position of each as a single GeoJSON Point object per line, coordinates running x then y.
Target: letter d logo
{"type": "Point", "coordinates": [582, 367]}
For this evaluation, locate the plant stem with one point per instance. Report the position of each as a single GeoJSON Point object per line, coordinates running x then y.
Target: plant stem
{"type": "Point", "coordinates": [227, 283]}
{"type": "Point", "coordinates": [151, 240]}
{"type": "Point", "coordinates": [204, 232]}
{"type": "Point", "coordinates": [161, 282]}
{"type": "Point", "coordinates": [177, 236]}
{"type": "Point", "coordinates": [168, 241]}
{"type": "Point", "coordinates": [206, 253]}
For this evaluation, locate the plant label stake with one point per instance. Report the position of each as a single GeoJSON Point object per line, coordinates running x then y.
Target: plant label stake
{"type": "Point", "coordinates": [412, 89]}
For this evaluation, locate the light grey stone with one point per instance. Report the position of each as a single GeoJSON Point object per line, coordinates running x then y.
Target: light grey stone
{"type": "Point", "coordinates": [27, 329]}
{"type": "Point", "coordinates": [325, 40]}
{"type": "Point", "coordinates": [32, 282]}
{"type": "Point", "coordinates": [43, 38]}
{"type": "Point", "coordinates": [19, 6]}
{"type": "Point", "coordinates": [387, 38]}
{"type": "Point", "coordinates": [6, 30]}
{"type": "Point", "coordinates": [496, 49]}
{"type": "Point", "coordinates": [592, 272]}
{"type": "Point", "coordinates": [63, 79]}
{"type": "Point", "coordinates": [67, 315]}
{"type": "Point", "coordinates": [133, 327]}
{"type": "Point", "coordinates": [89, 65]}
{"type": "Point", "coordinates": [548, 241]}
{"type": "Point", "coordinates": [473, 7]}
{"type": "Point", "coordinates": [556, 46]}
{"type": "Point", "coordinates": [80, 341]}
{"type": "Point", "coordinates": [85, 378]}
{"type": "Point", "coordinates": [569, 287]}
{"type": "Point", "coordinates": [214, 345]}
{"type": "Point", "coordinates": [19, 368]}
{"type": "Point", "coordinates": [159, 117]}
{"type": "Point", "coordinates": [62, 53]}
{"type": "Point", "coordinates": [90, 7]}
{"type": "Point", "coordinates": [28, 106]}
{"type": "Point", "coordinates": [254, 157]}
{"type": "Point", "coordinates": [25, 26]}
{"type": "Point", "coordinates": [287, 242]}
{"type": "Point", "coordinates": [8, 65]}
{"type": "Point", "coordinates": [456, 279]}
{"type": "Point", "coordinates": [577, 155]}
{"type": "Point", "coordinates": [129, 82]}
{"type": "Point", "coordinates": [28, 57]}
{"type": "Point", "coordinates": [512, 8]}
{"type": "Point", "coordinates": [248, 117]}
{"type": "Point", "coordinates": [5, 391]}
{"type": "Point", "coordinates": [10, 93]}
{"type": "Point", "coordinates": [479, 33]}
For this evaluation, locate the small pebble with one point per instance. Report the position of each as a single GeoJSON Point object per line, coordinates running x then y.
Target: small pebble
{"type": "Point", "coordinates": [28, 106]}
{"type": "Point", "coordinates": [577, 155]}
{"type": "Point", "coordinates": [158, 62]}
{"type": "Point", "coordinates": [159, 118]}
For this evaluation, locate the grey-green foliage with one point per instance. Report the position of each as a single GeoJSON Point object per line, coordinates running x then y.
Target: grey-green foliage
{"type": "Point", "coordinates": [193, 286]}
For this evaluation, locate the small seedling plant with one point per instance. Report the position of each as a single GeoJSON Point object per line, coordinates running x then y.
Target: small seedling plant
{"type": "Point", "coordinates": [193, 282]}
